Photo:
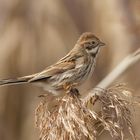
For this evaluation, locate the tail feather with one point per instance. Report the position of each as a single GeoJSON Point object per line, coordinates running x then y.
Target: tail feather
{"type": "Point", "coordinates": [20, 80]}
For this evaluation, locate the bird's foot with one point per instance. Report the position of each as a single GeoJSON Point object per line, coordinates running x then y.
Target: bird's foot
{"type": "Point", "coordinates": [73, 92]}
{"type": "Point", "coordinates": [70, 90]}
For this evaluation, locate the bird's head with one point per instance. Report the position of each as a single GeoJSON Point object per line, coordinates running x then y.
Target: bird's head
{"type": "Point", "coordinates": [90, 43]}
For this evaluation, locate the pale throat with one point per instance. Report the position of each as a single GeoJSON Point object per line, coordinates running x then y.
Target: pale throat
{"type": "Point", "coordinates": [94, 52]}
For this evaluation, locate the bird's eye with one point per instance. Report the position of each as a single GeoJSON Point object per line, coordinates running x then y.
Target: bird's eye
{"type": "Point", "coordinates": [93, 42]}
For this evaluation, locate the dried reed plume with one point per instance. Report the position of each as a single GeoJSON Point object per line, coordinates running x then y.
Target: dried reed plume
{"type": "Point", "coordinates": [76, 119]}
{"type": "Point", "coordinates": [72, 118]}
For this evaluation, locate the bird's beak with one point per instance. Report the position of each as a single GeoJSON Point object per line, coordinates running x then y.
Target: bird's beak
{"type": "Point", "coordinates": [102, 44]}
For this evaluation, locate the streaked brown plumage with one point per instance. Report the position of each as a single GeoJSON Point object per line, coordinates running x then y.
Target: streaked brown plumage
{"type": "Point", "coordinates": [71, 70]}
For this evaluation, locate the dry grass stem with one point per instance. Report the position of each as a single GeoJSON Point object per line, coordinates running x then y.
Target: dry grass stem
{"type": "Point", "coordinates": [76, 119]}
{"type": "Point", "coordinates": [127, 62]}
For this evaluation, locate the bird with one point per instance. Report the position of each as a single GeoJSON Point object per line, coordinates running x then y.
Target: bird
{"type": "Point", "coordinates": [67, 73]}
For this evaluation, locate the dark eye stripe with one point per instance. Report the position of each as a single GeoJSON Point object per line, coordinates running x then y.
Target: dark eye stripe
{"type": "Point", "coordinates": [89, 47]}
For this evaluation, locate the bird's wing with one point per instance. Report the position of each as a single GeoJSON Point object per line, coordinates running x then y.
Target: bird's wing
{"type": "Point", "coordinates": [66, 63]}
{"type": "Point", "coordinates": [53, 70]}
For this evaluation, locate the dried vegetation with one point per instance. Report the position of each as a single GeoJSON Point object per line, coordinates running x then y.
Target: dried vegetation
{"type": "Point", "coordinates": [78, 119]}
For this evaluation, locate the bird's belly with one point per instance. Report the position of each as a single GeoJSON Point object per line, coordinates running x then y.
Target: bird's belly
{"type": "Point", "coordinates": [55, 90]}
{"type": "Point", "coordinates": [74, 77]}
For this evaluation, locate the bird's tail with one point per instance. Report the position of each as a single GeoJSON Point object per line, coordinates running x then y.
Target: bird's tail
{"type": "Point", "coordinates": [20, 80]}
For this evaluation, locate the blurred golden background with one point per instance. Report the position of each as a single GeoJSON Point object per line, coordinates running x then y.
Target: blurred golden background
{"type": "Point", "coordinates": [36, 33]}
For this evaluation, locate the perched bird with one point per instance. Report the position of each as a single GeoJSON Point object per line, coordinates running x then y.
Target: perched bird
{"type": "Point", "coordinates": [68, 72]}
